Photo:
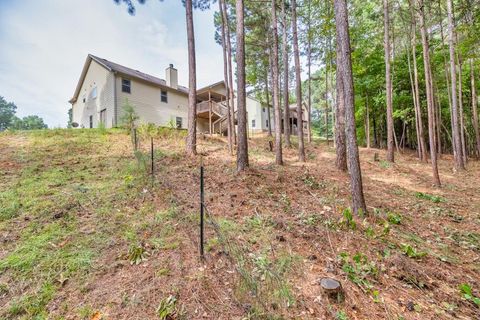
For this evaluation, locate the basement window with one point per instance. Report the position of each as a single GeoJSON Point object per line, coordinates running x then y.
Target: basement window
{"type": "Point", "coordinates": [163, 96]}
{"type": "Point", "coordinates": [178, 122]}
{"type": "Point", "coordinates": [91, 122]}
{"type": "Point", "coordinates": [253, 123]}
{"type": "Point", "coordinates": [266, 123]}
{"type": "Point", "coordinates": [126, 86]}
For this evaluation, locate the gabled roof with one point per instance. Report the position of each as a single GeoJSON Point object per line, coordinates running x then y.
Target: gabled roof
{"type": "Point", "coordinates": [117, 68]}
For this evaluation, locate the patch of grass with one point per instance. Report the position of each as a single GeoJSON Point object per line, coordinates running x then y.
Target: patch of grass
{"type": "Point", "coordinates": [426, 196]}
{"type": "Point", "coordinates": [411, 252]}
{"type": "Point", "coordinates": [137, 254]}
{"type": "Point", "coordinates": [347, 220]}
{"type": "Point", "coordinates": [394, 218]}
{"type": "Point", "coordinates": [167, 309]}
{"type": "Point", "coordinates": [359, 270]}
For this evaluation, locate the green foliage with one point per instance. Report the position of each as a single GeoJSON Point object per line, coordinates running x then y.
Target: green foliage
{"type": "Point", "coordinates": [412, 252]}
{"type": "Point", "coordinates": [347, 220]}
{"type": "Point", "coordinates": [466, 291]}
{"type": "Point", "coordinates": [137, 254]}
{"type": "Point", "coordinates": [129, 116]}
{"type": "Point", "coordinates": [394, 218]}
{"type": "Point", "coordinates": [433, 198]}
{"type": "Point", "coordinates": [167, 309]}
{"type": "Point", "coordinates": [7, 113]}
{"type": "Point", "coordinates": [28, 123]}
{"type": "Point", "coordinates": [358, 269]}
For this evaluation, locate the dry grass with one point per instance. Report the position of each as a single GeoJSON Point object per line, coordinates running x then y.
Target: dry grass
{"type": "Point", "coordinates": [75, 203]}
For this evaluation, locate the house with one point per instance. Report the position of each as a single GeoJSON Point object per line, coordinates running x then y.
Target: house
{"type": "Point", "coordinates": [105, 87]}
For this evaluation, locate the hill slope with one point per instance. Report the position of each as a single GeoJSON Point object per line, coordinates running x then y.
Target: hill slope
{"type": "Point", "coordinates": [86, 232]}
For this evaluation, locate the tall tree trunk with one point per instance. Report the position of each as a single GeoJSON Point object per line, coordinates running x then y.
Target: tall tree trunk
{"type": "Point", "coordinates": [341, 148]}
{"type": "Point", "coordinates": [474, 108]}
{"type": "Point", "coordinates": [428, 87]}
{"type": "Point", "coordinates": [423, 144]}
{"type": "Point", "coordinates": [326, 103]}
{"type": "Point", "coordinates": [367, 122]}
{"type": "Point", "coordinates": [460, 111]}
{"type": "Point", "coordinates": [298, 87]}
{"type": "Point", "coordinates": [343, 41]}
{"type": "Point", "coordinates": [267, 98]}
{"type": "Point", "coordinates": [276, 104]}
{"type": "Point", "coordinates": [286, 110]}
{"type": "Point", "coordinates": [242, 148]}
{"type": "Point", "coordinates": [225, 75]}
{"type": "Point", "coordinates": [458, 157]}
{"type": "Point", "coordinates": [230, 70]}
{"type": "Point", "coordinates": [309, 62]}
{"type": "Point", "coordinates": [388, 85]}
{"type": "Point", "coordinates": [191, 145]}
{"type": "Point", "coordinates": [415, 107]}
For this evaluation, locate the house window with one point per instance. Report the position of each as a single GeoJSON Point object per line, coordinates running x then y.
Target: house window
{"type": "Point", "coordinates": [91, 122]}
{"type": "Point", "coordinates": [126, 86]}
{"type": "Point", "coordinates": [93, 94]}
{"type": "Point", "coordinates": [103, 116]}
{"type": "Point", "coordinates": [84, 99]}
{"type": "Point", "coordinates": [266, 123]}
{"type": "Point", "coordinates": [253, 123]}
{"type": "Point", "coordinates": [178, 122]}
{"type": "Point", "coordinates": [263, 110]}
{"type": "Point", "coordinates": [163, 96]}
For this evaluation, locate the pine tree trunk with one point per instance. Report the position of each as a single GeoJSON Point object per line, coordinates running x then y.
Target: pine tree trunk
{"type": "Point", "coordinates": [286, 110]}
{"type": "Point", "coordinates": [460, 111]}
{"type": "Point", "coordinates": [309, 62]}
{"type": "Point", "coordinates": [428, 87]}
{"type": "Point", "coordinates": [230, 70]}
{"type": "Point", "coordinates": [423, 144]}
{"type": "Point", "coordinates": [367, 123]}
{"type": "Point", "coordinates": [267, 98]}
{"type": "Point", "coordinates": [458, 157]}
{"type": "Point", "coordinates": [388, 85]}
{"type": "Point", "coordinates": [341, 148]}
{"type": "Point", "coordinates": [225, 75]}
{"type": "Point", "coordinates": [298, 87]}
{"type": "Point", "coordinates": [191, 143]}
{"type": "Point", "coordinates": [412, 85]}
{"type": "Point", "coordinates": [474, 108]}
{"type": "Point", "coordinates": [276, 104]}
{"type": "Point", "coordinates": [343, 40]}
{"type": "Point", "coordinates": [242, 148]}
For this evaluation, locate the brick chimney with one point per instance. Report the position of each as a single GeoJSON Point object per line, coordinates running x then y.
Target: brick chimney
{"type": "Point", "coordinates": [171, 76]}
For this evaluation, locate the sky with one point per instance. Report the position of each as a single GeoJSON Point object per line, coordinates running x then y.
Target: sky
{"type": "Point", "coordinates": [44, 44]}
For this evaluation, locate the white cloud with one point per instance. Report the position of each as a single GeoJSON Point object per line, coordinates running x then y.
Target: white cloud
{"type": "Point", "coordinates": [45, 43]}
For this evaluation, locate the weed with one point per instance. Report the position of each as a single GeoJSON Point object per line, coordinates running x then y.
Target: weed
{"type": "Point", "coordinates": [341, 315]}
{"type": "Point", "coordinates": [167, 309]}
{"type": "Point", "coordinates": [359, 269]}
{"type": "Point", "coordinates": [394, 218]}
{"type": "Point", "coordinates": [466, 291]}
{"type": "Point", "coordinates": [411, 252]}
{"type": "Point", "coordinates": [425, 196]}
{"type": "Point", "coordinates": [137, 254]}
{"type": "Point", "coordinates": [311, 182]}
{"type": "Point", "coordinates": [385, 164]}
{"type": "Point", "coordinates": [347, 220]}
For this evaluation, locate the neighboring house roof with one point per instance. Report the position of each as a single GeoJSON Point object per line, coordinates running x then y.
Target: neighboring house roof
{"type": "Point", "coordinates": [115, 67]}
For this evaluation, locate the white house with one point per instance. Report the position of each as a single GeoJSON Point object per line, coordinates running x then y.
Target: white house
{"type": "Point", "coordinates": [105, 87]}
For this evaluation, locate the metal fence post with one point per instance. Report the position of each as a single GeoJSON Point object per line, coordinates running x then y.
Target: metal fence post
{"type": "Point", "coordinates": [201, 207]}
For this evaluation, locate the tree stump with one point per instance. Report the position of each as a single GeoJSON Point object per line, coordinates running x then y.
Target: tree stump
{"type": "Point", "coordinates": [270, 145]}
{"type": "Point", "coordinates": [375, 157]}
{"type": "Point", "coordinates": [332, 288]}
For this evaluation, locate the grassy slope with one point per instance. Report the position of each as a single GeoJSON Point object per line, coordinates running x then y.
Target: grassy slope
{"type": "Point", "coordinates": [77, 208]}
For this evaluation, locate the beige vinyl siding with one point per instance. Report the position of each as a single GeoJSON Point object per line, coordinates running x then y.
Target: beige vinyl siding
{"type": "Point", "coordinates": [99, 77]}
{"type": "Point", "coordinates": [254, 111]}
{"type": "Point", "coordinates": [145, 98]}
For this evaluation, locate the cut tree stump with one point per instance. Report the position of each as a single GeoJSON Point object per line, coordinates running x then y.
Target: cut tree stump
{"type": "Point", "coordinates": [270, 145]}
{"type": "Point", "coordinates": [332, 288]}
{"type": "Point", "coordinates": [375, 157]}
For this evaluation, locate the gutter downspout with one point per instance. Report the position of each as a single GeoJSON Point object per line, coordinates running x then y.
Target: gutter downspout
{"type": "Point", "coordinates": [115, 111]}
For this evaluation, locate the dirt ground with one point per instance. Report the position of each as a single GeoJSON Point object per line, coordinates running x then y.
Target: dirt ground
{"type": "Point", "coordinates": [271, 233]}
